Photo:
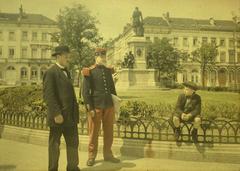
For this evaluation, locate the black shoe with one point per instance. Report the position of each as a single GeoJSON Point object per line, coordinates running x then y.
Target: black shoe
{"type": "Point", "coordinates": [177, 134]}
{"type": "Point", "coordinates": [112, 159]}
{"type": "Point", "coordinates": [194, 135]}
{"type": "Point", "coordinates": [90, 162]}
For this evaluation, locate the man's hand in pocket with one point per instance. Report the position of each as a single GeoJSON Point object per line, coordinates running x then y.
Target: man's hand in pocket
{"type": "Point", "coordinates": [58, 119]}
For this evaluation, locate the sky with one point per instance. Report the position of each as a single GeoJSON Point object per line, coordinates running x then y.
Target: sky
{"type": "Point", "coordinates": [114, 14]}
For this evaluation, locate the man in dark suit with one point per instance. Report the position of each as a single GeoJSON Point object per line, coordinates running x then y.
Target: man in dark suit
{"type": "Point", "coordinates": [63, 112]}
{"type": "Point", "coordinates": [188, 109]}
{"type": "Point", "coordinates": [98, 87]}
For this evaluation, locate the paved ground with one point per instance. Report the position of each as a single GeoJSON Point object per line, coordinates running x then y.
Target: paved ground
{"type": "Point", "coordinates": [16, 156]}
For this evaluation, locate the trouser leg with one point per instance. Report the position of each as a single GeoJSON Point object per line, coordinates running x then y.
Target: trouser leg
{"type": "Point", "coordinates": [71, 137]}
{"type": "Point", "coordinates": [53, 148]}
{"type": "Point", "coordinates": [94, 124]}
{"type": "Point", "coordinates": [107, 119]}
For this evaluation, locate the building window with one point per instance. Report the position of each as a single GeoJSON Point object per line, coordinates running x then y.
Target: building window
{"type": "Point", "coordinates": [1, 35]}
{"type": "Point", "coordinates": [34, 52]}
{"type": "Point", "coordinates": [44, 36]}
{"type": "Point", "coordinates": [23, 73]}
{"type": "Point", "coordinates": [11, 52]}
{"type": "Point", "coordinates": [156, 39]}
{"type": "Point", "coordinates": [222, 42]}
{"type": "Point", "coordinates": [195, 41]}
{"type": "Point", "coordinates": [185, 76]}
{"type": "Point", "coordinates": [24, 35]}
{"type": "Point", "coordinates": [238, 43]}
{"type": "Point", "coordinates": [34, 73]}
{"type": "Point", "coordinates": [44, 53]}
{"type": "Point", "coordinates": [34, 36]}
{"type": "Point", "coordinates": [223, 57]}
{"type": "Point", "coordinates": [185, 42]}
{"type": "Point", "coordinates": [24, 52]}
{"type": "Point", "coordinates": [12, 36]}
{"type": "Point", "coordinates": [231, 56]}
{"type": "Point", "coordinates": [204, 40]}
{"type": "Point", "coordinates": [213, 40]}
{"type": "Point", "coordinates": [10, 68]}
{"type": "Point", "coordinates": [195, 76]}
{"type": "Point", "coordinates": [231, 76]}
{"type": "Point", "coordinates": [231, 43]}
{"type": "Point", "coordinates": [1, 52]}
{"type": "Point", "coordinates": [148, 39]}
{"type": "Point", "coordinates": [175, 41]}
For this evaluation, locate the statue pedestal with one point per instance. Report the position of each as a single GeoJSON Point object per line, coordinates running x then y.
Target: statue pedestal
{"type": "Point", "coordinates": [136, 79]}
{"type": "Point", "coordinates": [139, 77]}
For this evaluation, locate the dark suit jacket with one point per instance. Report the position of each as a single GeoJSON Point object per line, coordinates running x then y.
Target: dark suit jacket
{"type": "Point", "coordinates": [59, 95]}
{"type": "Point", "coordinates": [98, 86]}
{"type": "Point", "coordinates": [193, 107]}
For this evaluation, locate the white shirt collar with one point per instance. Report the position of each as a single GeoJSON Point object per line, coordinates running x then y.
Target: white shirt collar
{"type": "Point", "coordinates": [60, 65]}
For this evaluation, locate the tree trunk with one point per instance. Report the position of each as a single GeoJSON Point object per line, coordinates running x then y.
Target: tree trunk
{"type": "Point", "coordinates": [203, 76]}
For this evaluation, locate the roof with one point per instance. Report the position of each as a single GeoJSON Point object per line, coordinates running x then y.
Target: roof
{"type": "Point", "coordinates": [191, 24]}
{"type": "Point", "coordinates": [12, 18]}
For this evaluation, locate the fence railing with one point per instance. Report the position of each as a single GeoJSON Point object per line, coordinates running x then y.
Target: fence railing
{"type": "Point", "coordinates": [160, 129]}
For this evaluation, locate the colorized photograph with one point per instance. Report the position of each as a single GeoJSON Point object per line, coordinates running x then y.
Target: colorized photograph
{"type": "Point", "coordinates": [109, 85]}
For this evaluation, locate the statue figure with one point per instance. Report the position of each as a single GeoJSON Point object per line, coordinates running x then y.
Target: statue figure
{"type": "Point", "coordinates": [131, 60]}
{"type": "Point", "coordinates": [128, 60]}
{"type": "Point", "coordinates": [137, 22]}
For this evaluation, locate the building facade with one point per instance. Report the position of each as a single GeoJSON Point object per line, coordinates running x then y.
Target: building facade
{"type": "Point", "coordinates": [25, 47]}
{"type": "Point", "coordinates": [187, 35]}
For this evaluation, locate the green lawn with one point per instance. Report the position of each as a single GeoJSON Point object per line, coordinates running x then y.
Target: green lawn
{"type": "Point", "coordinates": [170, 96]}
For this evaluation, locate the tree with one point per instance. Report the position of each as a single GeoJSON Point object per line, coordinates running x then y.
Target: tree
{"type": "Point", "coordinates": [78, 30]}
{"type": "Point", "coordinates": [206, 56]}
{"type": "Point", "coordinates": [164, 58]}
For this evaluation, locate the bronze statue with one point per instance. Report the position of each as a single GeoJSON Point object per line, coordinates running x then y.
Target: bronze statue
{"type": "Point", "coordinates": [137, 22]}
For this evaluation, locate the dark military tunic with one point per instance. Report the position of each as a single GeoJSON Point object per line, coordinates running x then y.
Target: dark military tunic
{"type": "Point", "coordinates": [187, 105]}
{"type": "Point", "coordinates": [98, 85]}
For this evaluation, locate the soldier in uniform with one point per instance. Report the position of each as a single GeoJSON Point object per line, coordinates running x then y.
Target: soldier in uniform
{"type": "Point", "coordinates": [63, 112]}
{"type": "Point", "coordinates": [98, 85]}
{"type": "Point", "coordinates": [188, 109]}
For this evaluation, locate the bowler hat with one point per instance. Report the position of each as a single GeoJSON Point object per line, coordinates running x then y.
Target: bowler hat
{"type": "Point", "coordinates": [191, 85]}
{"type": "Point", "coordinates": [60, 49]}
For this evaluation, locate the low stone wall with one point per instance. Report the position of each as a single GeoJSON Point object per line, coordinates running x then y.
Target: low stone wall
{"type": "Point", "coordinates": [229, 153]}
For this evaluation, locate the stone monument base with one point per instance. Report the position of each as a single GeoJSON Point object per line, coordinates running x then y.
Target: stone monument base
{"type": "Point", "coordinates": [137, 79]}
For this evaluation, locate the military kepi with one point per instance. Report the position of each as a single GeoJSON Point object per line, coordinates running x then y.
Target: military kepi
{"type": "Point", "coordinates": [191, 85]}
{"type": "Point", "coordinates": [100, 52]}
{"type": "Point", "coordinates": [60, 50]}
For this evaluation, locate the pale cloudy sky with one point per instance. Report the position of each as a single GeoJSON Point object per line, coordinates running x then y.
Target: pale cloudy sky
{"type": "Point", "coordinates": [114, 14]}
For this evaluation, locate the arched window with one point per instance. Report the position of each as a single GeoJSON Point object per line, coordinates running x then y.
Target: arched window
{"type": "Point", "coordinates": [185, 76]}
{"type": "Point", "coordinates": [231, 76]}
{"type": "Point", "coordinates": [194, 76]}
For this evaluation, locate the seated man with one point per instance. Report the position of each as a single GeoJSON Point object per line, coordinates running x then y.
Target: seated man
{"type": "Point", "coordinates": [188, 109]}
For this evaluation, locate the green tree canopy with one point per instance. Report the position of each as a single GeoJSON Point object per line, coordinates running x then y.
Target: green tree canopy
{"type": "Point", "coordinates": [164, 58]}
{"type": "Point", "coordinates": [206, 56]}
